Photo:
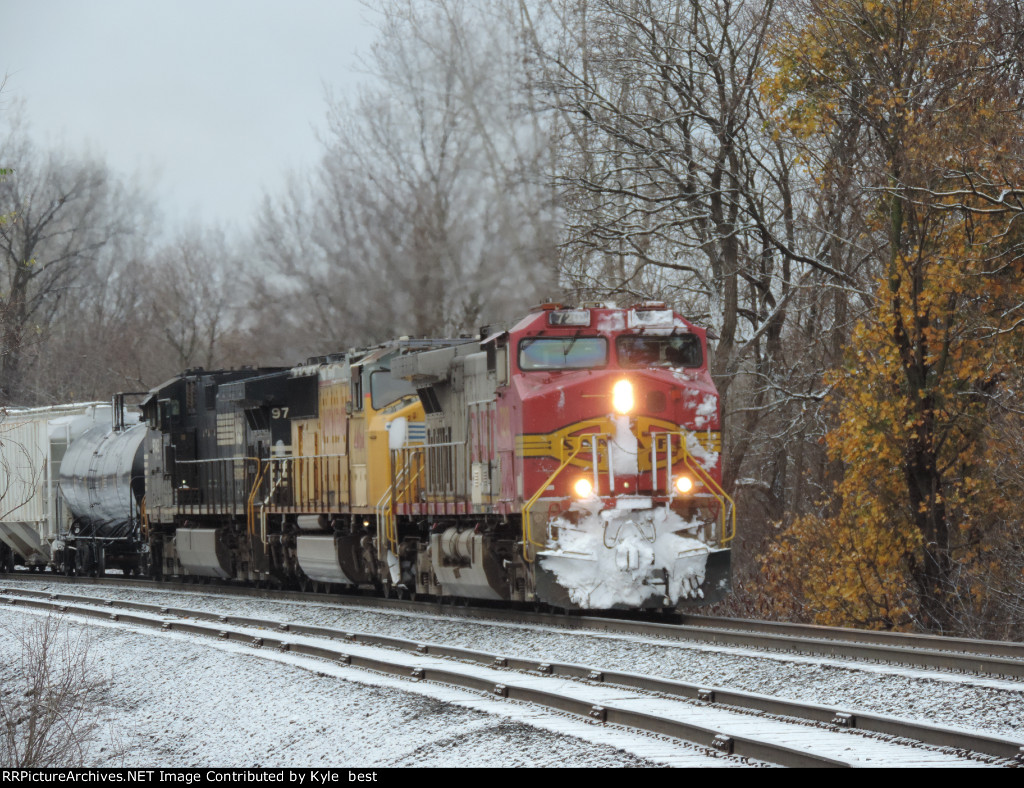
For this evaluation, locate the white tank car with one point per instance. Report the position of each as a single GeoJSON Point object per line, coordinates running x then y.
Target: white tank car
{"type": "Point", "coordinates": [33, 443]}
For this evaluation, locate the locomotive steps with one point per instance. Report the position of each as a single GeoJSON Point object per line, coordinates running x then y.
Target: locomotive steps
{"type": "Point", "coordinates": [742, 724]}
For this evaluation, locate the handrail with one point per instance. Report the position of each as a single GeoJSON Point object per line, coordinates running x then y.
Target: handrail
{"type": "Point", "coordinates": [391, 506]}
{"type": "Point", "coordinates": [727, 507]}
{"type": "Point", "coordinates": [527, 527]}
{"type": "Point", "coordinates": [250, 506]}
{"type": "Point", "coordinates": [723, 498]}
{"type": "Point", "coordinates": [383, 510]}
{"type": "Point", "coordinates": [720, 494]}
{"type": "Point", "coordinates": [386, 505]}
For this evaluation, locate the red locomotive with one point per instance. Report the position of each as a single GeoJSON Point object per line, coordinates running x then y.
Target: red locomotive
{"type": "Point", "coordinates": [585, 444]}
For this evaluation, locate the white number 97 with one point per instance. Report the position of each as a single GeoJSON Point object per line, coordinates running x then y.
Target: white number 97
{"type": "Point", "coordinates": [279, 413]}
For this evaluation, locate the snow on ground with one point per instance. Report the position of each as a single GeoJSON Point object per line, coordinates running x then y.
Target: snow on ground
{"type": "Point", "coordinates": [179, 701]}
{"type": "Point", "coordinates": [991, 705]}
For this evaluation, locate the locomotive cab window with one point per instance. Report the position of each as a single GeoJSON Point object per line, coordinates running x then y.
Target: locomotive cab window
{"type": "Point", "coordinates": [385, 389]}
{"type": "Point", "coordinates": [677, 351]}
{"type": "Point", "coordinates": [170, 410]}
{"type": "Point", "coordinates": [571, 352]}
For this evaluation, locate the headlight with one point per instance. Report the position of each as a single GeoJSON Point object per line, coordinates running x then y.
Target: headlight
{"type": "Point", "coordinates": [622, 397]}
{"type": "Point", "coordinates": [684, 484]}
{"type": "Point", "coordinates": [583, 488]}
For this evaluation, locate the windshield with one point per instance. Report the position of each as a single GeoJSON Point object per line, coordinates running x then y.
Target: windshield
{"type": "Point", "coordinates": [563, 352]}
{"type": "Point", "coordinates": [681, 350]}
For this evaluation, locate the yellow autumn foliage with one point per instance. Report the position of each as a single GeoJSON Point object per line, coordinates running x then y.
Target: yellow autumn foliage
{"type": "Point", "coordinates": [911, 517]}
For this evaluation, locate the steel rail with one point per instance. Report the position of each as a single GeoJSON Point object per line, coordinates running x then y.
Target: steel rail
{"type": "Point", "coordinates": [933, 735]}
{"type": "Point", "coordinates": [740, 746]}
{"type": "Point", "coordinates": [1006, 659]}
{"type": "Point", "coordinates": [998, 648]}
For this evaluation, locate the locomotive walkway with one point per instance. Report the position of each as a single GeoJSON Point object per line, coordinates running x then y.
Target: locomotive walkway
{"type": "Point", "coordinates": [738, 723]}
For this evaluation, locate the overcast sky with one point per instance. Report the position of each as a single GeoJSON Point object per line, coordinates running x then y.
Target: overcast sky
{"type": "Point", "coordinates": [211, 101]}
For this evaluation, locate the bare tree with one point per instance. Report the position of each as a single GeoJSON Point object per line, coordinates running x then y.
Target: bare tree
{"type": "Point", "coordinates": [64, 215]}
{"type": "Point", "coordinates": [144, 315]}
{"type": "Point", "coordinates": [190, 297]}
{"type": "Point", "coordinates": [675, 187]}
{"type": "Point", "coordinates": [430, 213]}
{"type": "Point", "coordinates": [48, 698]}
{"type": "Point", "coordinates": [99, 340]}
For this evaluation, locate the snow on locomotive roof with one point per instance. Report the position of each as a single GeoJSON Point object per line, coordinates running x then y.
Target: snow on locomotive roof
{"type": "Point", "coordinates": [661, 317]}
{"type": "Point", "coordinates": [654, 317]}
{"type": "Point", "coordinates": [569, 317]}
{"type": "Point", "coordinates": [71, 408]}
{"type": "Point", "coordinates": [433, 365]}
{"type": "Point", "coordinates": [357, 357]}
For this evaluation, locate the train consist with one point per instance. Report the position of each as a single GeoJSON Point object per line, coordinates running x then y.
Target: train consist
{"type": "Point", "coordinates": [571, 459]}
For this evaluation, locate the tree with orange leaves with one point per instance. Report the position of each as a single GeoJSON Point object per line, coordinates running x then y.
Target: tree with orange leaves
{"type": "Point", "coordinates": [933, 87]}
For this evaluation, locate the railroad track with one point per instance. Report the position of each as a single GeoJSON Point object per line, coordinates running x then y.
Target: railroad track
{"type": "Point", "coordinates": [735, 723]}
{"type": "Point", "coordinates": [975, 657]}
{"type": "Point", "coordinates": [985, 648]}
